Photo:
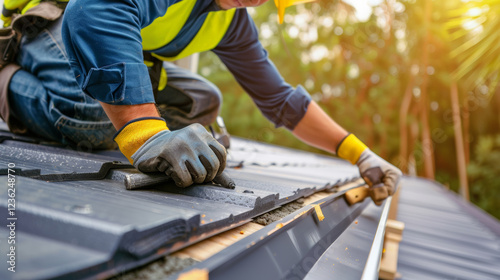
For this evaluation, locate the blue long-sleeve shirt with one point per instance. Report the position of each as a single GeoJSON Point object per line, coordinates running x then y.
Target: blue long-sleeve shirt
{"type": "Point", "coordinates": [104, 46]}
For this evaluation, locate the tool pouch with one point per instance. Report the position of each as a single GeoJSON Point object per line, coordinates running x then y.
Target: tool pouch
{"type": "Point", "coordinates": [35, 19]}
{"type": "Point", "coordinates": [28, 24]}
{"type": "Point", "coordinates": [8, 46]}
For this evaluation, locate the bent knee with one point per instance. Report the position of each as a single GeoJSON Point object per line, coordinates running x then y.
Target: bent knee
{"type": "Point", "coordinates": [215, 95]}
{"type": "Point", "coordinates": [87, 135]}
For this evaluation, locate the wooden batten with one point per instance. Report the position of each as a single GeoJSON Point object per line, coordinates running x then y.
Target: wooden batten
{"type": "Point", "coordinates": [393, 235]}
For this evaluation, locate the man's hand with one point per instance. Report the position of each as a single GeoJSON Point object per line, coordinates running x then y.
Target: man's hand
{"type": "Point", "coordinates": [189, 155]}
{"type": "Point", "coordinates": [381, 176]}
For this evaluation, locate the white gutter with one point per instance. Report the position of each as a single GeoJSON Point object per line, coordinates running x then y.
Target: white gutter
{"type": "Point", "coordinates": [373, 262]}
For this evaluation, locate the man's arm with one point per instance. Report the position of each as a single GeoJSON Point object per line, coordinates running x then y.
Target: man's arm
{"type": "Point", "coordinates": [317, 129]}
{"type": "Point", "coordinates": [120, 115]}
{"type": "Point", "coordinates": [293, 108]}
{"type": "Point", "coordinates": [103, 43]}
{"type": "Point", "coordinates": [188, 156]}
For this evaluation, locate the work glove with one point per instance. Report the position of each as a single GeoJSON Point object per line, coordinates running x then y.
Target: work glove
{"type": "Point", "coordinates": [381, 176]}
{"type": "Point", "coordinates": [189, 155]}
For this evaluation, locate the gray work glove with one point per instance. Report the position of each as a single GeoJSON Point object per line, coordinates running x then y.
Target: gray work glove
{"type": "Point", "coordinates": [189, 155]}
{"type": "Point", "coordinates": [381, 176]}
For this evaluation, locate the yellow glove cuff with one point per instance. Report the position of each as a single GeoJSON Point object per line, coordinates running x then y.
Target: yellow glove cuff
{"type": "Point", "coordinates": [351, 148]}
{"type": "Point", "coordinates": [134, 134]}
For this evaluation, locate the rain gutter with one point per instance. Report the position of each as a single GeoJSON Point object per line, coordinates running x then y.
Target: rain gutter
{"type": "Point", "coordinates": [285, 249]}
{"type": "Point", "coordinates": [373, 262]}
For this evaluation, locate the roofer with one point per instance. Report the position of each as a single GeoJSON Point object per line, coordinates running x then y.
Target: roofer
{"type": "Point", "coordinates": [105, 43]}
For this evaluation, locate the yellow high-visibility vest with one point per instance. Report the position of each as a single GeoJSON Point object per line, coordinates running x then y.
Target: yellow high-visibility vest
{"type": "Point", "coordinates": [165, 28]}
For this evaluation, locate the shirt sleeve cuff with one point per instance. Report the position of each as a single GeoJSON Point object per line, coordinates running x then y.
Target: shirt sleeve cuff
{"type": "Point", "coordinates": [120, 84]}
{"type": "Point", "coordinates": [293, 109]}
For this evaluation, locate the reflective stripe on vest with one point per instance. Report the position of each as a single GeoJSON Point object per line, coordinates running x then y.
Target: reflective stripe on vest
{"type": "Point", "coordinates": [162, 31]}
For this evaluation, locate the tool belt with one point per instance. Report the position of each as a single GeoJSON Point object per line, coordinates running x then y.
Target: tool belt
{"type": "Point", "coordinates": [9, 44]}
{"type": "Point", "coordinates": [28, 24]}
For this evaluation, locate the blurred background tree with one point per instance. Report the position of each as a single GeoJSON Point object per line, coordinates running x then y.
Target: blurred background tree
{"type": "Point", "coordinates": [416, 80]}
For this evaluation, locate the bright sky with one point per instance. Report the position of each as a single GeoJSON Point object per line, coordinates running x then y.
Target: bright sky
{"type": "Point", "coordinates": [363, 7]}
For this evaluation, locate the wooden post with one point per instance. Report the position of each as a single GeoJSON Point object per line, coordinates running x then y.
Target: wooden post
{"type": "Point", "coordinates": [393, 235]}
{"type": "Point", "coordinates": [389, 262]}
{"type": "Point", "coordinates": [393, 211]}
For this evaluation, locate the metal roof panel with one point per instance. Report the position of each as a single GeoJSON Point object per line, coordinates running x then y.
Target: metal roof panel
{"type": "Point", "coordinates": [441, 239]}
{"type": "Point", "coordinates": [103, 228]}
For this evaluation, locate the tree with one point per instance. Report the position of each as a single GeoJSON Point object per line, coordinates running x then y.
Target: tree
{"type": "Point", "coordinates": [393, 66]}
{"type": "Point", "coordinates": [474, 39]}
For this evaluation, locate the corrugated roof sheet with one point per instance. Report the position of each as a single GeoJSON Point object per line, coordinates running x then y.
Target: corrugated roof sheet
{"type": "Point", "coordinates": [445, 237]}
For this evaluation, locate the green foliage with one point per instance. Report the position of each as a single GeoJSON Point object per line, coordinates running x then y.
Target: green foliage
{"type": "Point", "coordinates": [358, 72]}
{"type": "Point", "coordinates": [484, 173]}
